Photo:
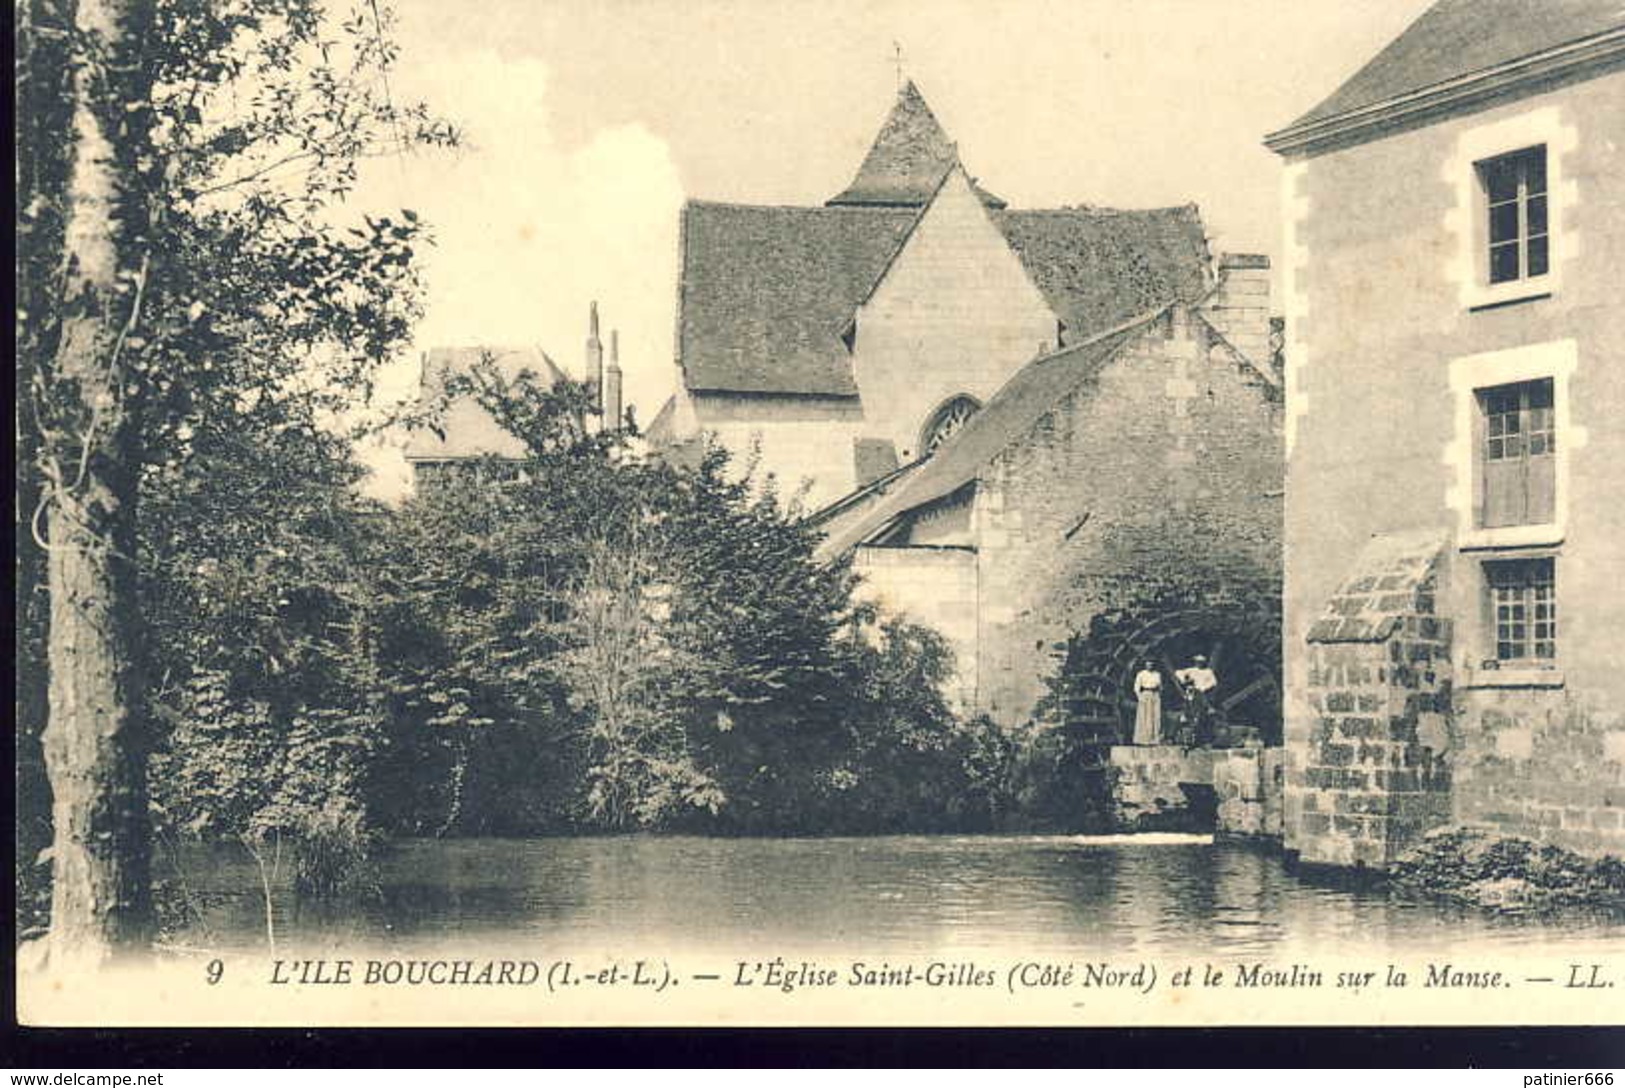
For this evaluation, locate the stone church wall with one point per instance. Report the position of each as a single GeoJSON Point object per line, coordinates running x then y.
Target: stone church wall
{"type": "Point", "coordinates": [936, 587]}
{"type": "Point", "coordinates": [1165, 476]}
{"type": "Point", "coordinates": [955, 314]}
{"type": "Point", "coordinates": [797, 439]}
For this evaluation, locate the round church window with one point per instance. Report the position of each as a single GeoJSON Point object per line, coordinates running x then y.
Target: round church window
{"type": "Point", "coordinates": [945, 423]}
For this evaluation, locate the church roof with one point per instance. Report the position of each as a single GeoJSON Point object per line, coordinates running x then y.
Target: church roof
{"type": "Point", "coordinates": [1456, 38]}
{"type": "Point", "coordinates": [465, 429]}
{"type": "Point", "coordinates": [1033, 391]}
{"type": "Point", "coordinates": [1098, 266]}
{"type": "Point", "coordinates": [910, 155]}
{"type": "Point", "coordinates": [765, 292]}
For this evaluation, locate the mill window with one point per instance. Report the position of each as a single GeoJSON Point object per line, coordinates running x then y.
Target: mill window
{"type": "Point", "coordinates": [1523, 606]}
{"type": "Point", "coordinates": [1515, 198]}
{"type": "Point", "coordinates": [1518, 454]}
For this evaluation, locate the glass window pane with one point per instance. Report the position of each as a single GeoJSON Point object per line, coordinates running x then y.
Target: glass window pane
{"type": "Point", "coordinates": [1504, 222]}
{"type": "Point", "coordinates": [1537, 256]}
{"type": "Point", "coordinates": [1537, 215]}
{"type": "Point", "coordinates": [1534, 163]}
{"type": "Point", "coordinates": [1525, 608]}
{"type": "Point", "coordinates": [1504, 262]}
{"type": "Point", "coordinates": [1500, 179]}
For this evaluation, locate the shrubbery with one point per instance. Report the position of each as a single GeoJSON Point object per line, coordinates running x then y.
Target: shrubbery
{"type": "Point", "coordinates": [594, 642]}
{"type": "Point", "coordinates": [1479, 868]}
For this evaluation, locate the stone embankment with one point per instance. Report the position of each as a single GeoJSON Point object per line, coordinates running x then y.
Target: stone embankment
{"type": "Point", "coordinates": [1232, 792]}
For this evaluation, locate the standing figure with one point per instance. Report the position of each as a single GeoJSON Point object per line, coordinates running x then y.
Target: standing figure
{"type": "Point", "coordinates": [1199, 682]}
{"type": "Point", "coordinates": [1148, 712]}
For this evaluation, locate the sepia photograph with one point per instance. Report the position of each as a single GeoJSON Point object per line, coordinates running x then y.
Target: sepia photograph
{"type": "Point", "coordinates": [857, 513]}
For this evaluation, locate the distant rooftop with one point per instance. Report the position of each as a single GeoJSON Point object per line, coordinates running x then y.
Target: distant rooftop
{"type": "Point", "coordinates": [466, 430]}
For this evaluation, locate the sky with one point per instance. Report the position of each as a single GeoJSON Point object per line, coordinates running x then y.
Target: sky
{"type": "Point", "coordinates": [588, 123]}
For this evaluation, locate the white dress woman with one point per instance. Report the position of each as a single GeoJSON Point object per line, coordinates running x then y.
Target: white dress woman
{"type": "Point", "coordinates": [1148, 712]}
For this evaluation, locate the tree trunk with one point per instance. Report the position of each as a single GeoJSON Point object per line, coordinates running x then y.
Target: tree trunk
{"type": "Point", "coordinates": [95, 750]}
{"type": "Point", "coordinates": [42, 144]}
{"type": "Point", "coordinates": [95, 746]}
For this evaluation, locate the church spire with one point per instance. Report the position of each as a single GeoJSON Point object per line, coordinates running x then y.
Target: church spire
{"type": "Point", "coordinates": [907, 160]}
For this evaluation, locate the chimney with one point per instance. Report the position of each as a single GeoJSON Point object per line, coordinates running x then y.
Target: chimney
{"type": "Point", "coordinates": [612, 384]}
{"type": "Point", "coordinates": [1240, 306]}
{"type": "Point", "coordinates": [595, 357]}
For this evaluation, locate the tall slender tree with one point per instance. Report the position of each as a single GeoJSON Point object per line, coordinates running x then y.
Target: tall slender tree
{"type": "Point", "coordinates": [85, 413]}
{"type": "Point", "coordinates": [185, 266]}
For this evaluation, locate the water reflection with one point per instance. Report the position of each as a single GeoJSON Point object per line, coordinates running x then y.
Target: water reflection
{"type": "Point", "coordinates": [905, 895]}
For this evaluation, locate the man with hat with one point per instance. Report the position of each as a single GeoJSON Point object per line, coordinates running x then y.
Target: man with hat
{"type": "Point", "coordinates": [1198, 682]}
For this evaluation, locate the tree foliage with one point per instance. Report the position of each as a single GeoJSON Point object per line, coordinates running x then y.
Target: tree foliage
{"type": "Point", "coordinates": [207, 147]}
{"type": "Point", "coordinates": [587, 639]}
{"type": "Point", "coordinates": [667, 642]}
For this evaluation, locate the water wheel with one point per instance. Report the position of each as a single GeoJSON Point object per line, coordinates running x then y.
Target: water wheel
{"type": "Point", "coordinates": [1242, 648]}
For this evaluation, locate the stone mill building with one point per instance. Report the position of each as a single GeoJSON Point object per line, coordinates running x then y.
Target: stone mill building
{"type": "Point", "coordinates": [1455, 515]}
{"type": "Point", "coordinates": [1014, 420]}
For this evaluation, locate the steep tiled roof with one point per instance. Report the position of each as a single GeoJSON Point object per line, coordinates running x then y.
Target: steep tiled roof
{"type": "Point", "coordinates": [907, 160]}
{"type": "Point", "coordinates": [1455, 38]}
{"type": "Point", "coordinates": [467, 429]}
{"type": "Point", "coordinates": [765, 291]}
{"type": "Point", "coordinates": [1021, 402]}
{"type": "Point", "coordinates": [1099, 266]}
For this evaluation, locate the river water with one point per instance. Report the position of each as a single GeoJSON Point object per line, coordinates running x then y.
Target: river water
{"type": "Point", "coordinates": [905, 895]}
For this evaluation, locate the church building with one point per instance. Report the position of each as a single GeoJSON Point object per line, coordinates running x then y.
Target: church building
{"type": "Point", "coordinates": [1012, 419]}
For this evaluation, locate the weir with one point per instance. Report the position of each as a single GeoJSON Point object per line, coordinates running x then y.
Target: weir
{"type": "Point", "coordinates": [1233, 793]}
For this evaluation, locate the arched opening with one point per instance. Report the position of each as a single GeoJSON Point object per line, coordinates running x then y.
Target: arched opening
{"type": "Point", "coordinates": [946, 421]}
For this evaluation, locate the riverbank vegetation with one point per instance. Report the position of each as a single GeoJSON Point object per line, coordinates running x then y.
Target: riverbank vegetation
{"type": "Point", "coordinates": [586, 641]}
{"type": "Point", "coordinates": [219, 638]}
{"type": "Point", "coordinates": [1478, 868]}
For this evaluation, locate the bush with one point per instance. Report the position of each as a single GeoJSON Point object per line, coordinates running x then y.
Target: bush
{"type": "Point", "coordinates": [1054, 784]}
{"type": "Point", "coordinates": [332, 854]}
{"type": "Point", "coordinates": [1480, 868]}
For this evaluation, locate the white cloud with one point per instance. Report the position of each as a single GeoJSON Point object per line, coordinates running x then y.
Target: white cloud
{"type": "Point", "coordinates": [527, 233]}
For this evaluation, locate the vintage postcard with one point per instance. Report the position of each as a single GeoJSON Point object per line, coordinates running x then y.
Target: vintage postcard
{"type": "Point", "coordinates": [872, 512]}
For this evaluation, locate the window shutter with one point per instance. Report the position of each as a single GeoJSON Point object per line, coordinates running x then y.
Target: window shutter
{"type": "Point", "coordinates": [1517, 455]}
{"type": "Point", "coordinates": [1503, 493]}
